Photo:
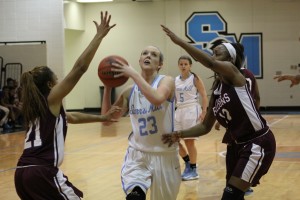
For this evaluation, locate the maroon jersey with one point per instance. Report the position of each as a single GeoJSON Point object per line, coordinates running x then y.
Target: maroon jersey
{"type": "Point", "coordinates": [251, 83]}
{"type": "Point", "coordinates": [44, 142]}
{"type": "Point", "coordinates": [235, 110]}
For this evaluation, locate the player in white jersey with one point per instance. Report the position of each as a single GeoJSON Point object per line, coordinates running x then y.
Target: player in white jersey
{"type": "Point", "coordinates": [38, 176]}
{"type": "Point", "coordinates": [189, 88]}
{"type": "Point", "coordinates": [148, 163]}
{"type": "Point", "coordinates": [233, 106]}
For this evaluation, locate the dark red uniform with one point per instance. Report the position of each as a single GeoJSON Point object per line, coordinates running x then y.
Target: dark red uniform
{"type": "Point", "coordinates": [255, 143]}
{"type": "Point", "coordinates": [37, 175]}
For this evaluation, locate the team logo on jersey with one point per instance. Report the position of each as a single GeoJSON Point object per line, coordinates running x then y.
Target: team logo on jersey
{"type": "Point", "coordinates": [204, 29]}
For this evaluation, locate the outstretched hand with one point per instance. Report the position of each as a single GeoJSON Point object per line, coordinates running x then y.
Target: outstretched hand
{"type": "Point", "coordinates": [172, 35]}
{"type": "Point", "coordinates": [171, 138]}
{"type": "Point", "coordinates": [108, 117]}
{"type": "Point", "coordinates": [291, 78]}
{"type": "Point", "coordinates": [104, 27]}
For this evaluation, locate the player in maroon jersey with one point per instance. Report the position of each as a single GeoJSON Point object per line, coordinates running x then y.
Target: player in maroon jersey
{"type": "Point", "coordinates": [232, 105]}
{"type": "Point", "coordinates": [230, 151]}
{"type": "Point", "coordinates": [38, 175]}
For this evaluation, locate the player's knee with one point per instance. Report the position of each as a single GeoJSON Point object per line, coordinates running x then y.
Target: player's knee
{"type": "Point", "coordinates": [232, 193]}
{"type": "Point", "coordinates": [136, 194]}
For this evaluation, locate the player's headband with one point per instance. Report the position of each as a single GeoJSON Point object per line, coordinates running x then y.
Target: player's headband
{"type": "Point", "coordinates": [231, 51]}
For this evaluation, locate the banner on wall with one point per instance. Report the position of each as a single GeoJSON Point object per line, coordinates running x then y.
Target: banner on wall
{"type": "Point", "coordinates": [204, 29]}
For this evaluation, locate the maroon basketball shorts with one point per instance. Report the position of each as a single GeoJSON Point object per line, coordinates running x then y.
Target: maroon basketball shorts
{"type": "Point", "coordinates": [251, 160]}
{"type": "Point", "coordinates": [44, 182]}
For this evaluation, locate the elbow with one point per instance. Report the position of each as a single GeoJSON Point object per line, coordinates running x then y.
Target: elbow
{"type": "Point", "coordinates": [157, 102]}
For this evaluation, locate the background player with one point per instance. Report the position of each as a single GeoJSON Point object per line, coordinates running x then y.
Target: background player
{"type": "Point", "coordinates": [189, 112]}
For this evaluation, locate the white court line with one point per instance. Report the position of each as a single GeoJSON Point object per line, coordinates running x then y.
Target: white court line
{"type": "Point", "coordinates": [222, 154]}
{"type": "Point", "coordinates": [275, 122]}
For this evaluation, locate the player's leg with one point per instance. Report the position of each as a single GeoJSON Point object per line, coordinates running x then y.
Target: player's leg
{"type": "Point", "coordinates": [254, 161]}
{"type": "Point", "coordinates": [136, 194]}
{"type": "Point", "coordinates": [166, 176]}
{"type": "Point", "coordinates": [178, 120]}
{"type": "Point", "coordinates": [192, 149]}
{"type": "Point", "coordinates": [191, 115]}
{"type": "Point", "coordinates": [232, 193]}
{"type": "Point", "coordinates": [135, 176]}
{"type": "Point", "coordinates": [186, 158]}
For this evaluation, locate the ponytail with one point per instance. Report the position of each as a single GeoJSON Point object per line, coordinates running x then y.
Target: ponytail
{"type": "Point", "coordinates": [34, 93]}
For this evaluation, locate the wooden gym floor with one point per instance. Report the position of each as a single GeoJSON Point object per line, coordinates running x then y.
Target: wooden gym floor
{"type": "Point", "coordinates": [94, 156]}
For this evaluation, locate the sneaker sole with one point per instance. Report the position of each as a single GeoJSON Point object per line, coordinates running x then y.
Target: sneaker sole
{"type": "Point", "coordinates": [190, 178]}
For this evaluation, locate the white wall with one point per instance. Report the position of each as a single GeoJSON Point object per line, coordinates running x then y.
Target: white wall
{"type": "Point", "coordinates": [138, 26]}
{"type": "Point", "coordinates": [35, 20]}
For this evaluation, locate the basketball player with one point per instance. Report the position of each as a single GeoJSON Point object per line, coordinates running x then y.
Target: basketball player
{"type": "Point", "coordinates": [150, 102]}
{"type": "Point", "coordinates": [38, 175]}
{"type": "Point", "coordinates": [295, 79]}
{"type": "Point", "coordinates": [230, 153]}
{"type": "Point", "coordinates": [189, 112]}
{"type": "Point", "coordinates": [233, 107]}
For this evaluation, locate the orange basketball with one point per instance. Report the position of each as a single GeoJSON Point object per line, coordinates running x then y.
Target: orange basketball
{"type": "Point", "coordinates": [106, 75]}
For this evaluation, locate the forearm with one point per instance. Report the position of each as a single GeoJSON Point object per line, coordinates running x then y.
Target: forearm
{"type": "Point", "coordinates": [79, 118]}
{"type": "Point", "coordinates": [106, 100]}
{"type": "Point", "coordinates": [150, 93]}
{"type": "Point", "coordinates": [197, 54]}
{"type": "Point", "coordinates": [86, 57]}
{"type": "Point", "coordinates": [202, 128]}
{"type": "Point", "coordinates": [195, 131]}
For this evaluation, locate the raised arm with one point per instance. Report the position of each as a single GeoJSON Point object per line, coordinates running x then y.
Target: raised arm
{"type": "Point", "coordinates": [225, 68]}
{"type": "Point", "coordinates": [60, 90]}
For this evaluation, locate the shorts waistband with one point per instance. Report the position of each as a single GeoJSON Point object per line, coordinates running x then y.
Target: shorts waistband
{"type": "Point", "coordinates": [188, 105]}
{"type": "Point", "coordinates": [250, 138]}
